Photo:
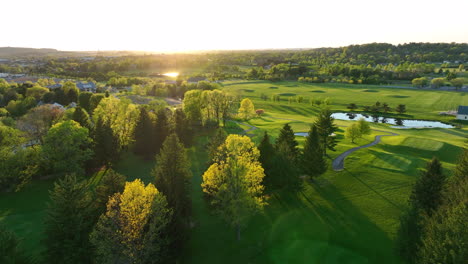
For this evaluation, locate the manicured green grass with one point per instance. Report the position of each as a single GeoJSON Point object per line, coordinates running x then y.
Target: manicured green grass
{"type": "Point", "coordinates": [341, 217]}
{"type": "Point", "coordinates": [420, 104]}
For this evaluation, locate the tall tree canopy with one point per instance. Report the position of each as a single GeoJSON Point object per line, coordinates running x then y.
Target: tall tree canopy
{"type": "Point", "coordinates": [246, 110]}
{"type": "Point", "coordinates": [133, 229]}
{"type": "Point", "coordinates": [326, 128]}
{"type": "Point", "coordinates": [67, 147]}
{"type": "Point", "coordinates": [122, 116]}
{"type": "Point", "coordinates": [313, 161]}
{"type": "Point", "coordinates": [234, 181]}
{"type": "Point", "coordinates": [143, 135]}
{"type": "Point", "coordinates": [172, 178]}
{"type": "Point", "coordinates": [287, 137]}
{"type": "Point", "coordinates": [68, 223]}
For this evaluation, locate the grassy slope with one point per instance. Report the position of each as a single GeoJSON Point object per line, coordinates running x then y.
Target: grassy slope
{"type": "Point", "coordinates": [343, 217]}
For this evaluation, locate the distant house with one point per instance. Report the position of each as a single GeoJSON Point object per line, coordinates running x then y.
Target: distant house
{"type": "Point", "coordinates": [86, 86]}
{"type": "Point", "coordinates": [54, 86]}
{"type": "Point", "coordinates": [462, 113]}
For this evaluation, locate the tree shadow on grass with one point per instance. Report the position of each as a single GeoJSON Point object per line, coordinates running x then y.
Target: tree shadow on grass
{"type": "Point", "coordinates": [333, 230]}
{"type": "Point", "coordinates": [447, 153]}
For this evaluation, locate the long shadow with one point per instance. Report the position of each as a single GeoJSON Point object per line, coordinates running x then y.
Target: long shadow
{"type": "Point", "coordinates": [460, 133]}
{"type": "Point", "coordinates": [361, 228]}
{"type": "Point", "coordinates": [448, 152]}
{"type": "Point", "coordinates": [332, 231]}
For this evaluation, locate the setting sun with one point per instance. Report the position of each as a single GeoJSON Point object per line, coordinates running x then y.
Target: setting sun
{"type": "Point", "coordinates": [171, 74]}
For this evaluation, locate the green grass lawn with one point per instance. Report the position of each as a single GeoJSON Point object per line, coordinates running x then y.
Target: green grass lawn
{"type": "Point", "coordinates": [342, 217]}
{"type": "Point", "coordinates": [419, 104]}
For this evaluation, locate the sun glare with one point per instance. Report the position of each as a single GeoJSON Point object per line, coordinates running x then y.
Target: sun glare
{"type": "Point", "coordinates": [171, 74]}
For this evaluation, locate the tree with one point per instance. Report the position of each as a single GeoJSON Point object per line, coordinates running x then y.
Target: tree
{"type": "Point", "coordinates": [364, 128]}
{"type": "Point", "coordinates": [326, 129]}
{"type": "Point", "coordinates": [287, 137]}
{"type": "Point", "coordinates": [94, 101]}
{"type": "Point", "coordinates": [10, 251]}
{"type": "Point", "coordinates": [286, 169]}
{"type": "Point", "coordinates": [121, 115]}
{"type": "Point", "coordinates": [424, 200]}
{"type": "Point", "coordinates": [182, 127]}
{"type": "Point", "coordinates": [144, 141]}
{"type": "Point", "coordinates": [234, 181]}
{"type": "Point", "coordinates": [172, 178]}
{"type": "Point", "coordinates": [37, 92]}
{"type": "Point", "coordinates": [38, 120]}
{"type": "Point", "coordinates": [313, 162]}
{"type": "Point", "coordinates": [386, 108]}
{"type": "Point", "coordinates": [445, 232]}
{"type": "Point", "coordinates": [67, 147]}
{"type": "Point", "coordinates": [84, 100]}
{"type": "Point", "coordinates": [437, 82]}
{"type": "Point", "coordinates": [215, 142]}
{"type": "Point", "coordinates": [161, 129]}
{"type": "Point", "coordinates": [457, 82]}
{"type": "Point", "coordinates": [352, 106]}
{"type": "Point", "coordinates": [81, 117]}
{"type": "Point", "coordinates": [133, 229]}
{"type": "Point", "coordinates": [192, 105]}
{"type": "Point", "coordinates": [110, 183]}
{"type": "Point", "coordinates": [420, 82]}
{"type": "Point", "coordinates": [353, 132]}
{"type": "Point", "coordinates": [401, 108]}
{"type": "Point", "coordinates": [246, 110]}
{"type": "Point", "coordinates": [427, 192]}
{"type": "Point", "coordinates": [266, 158]}
{"type": "Point", "coordinates": [445, 236]}
{"type": "Point", "coordinates": [68, 223]}
{"type": "Point", "coordinates": [106, 144]}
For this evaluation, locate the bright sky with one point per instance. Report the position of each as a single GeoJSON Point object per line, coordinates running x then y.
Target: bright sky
{"type": "Point", "coordinates": [178, 25]}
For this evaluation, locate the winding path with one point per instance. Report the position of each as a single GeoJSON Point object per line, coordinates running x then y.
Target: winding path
{"type": "Point", "coordinates": [338, 162]}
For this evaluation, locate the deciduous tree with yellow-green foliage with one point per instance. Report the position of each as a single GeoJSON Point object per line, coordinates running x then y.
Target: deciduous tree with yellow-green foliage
{"type": "Point", "coordinates": [246, 109]}
{"type": "Point", "coordinates": [122, 116]}
{"type": "Point", "coordinates": [234, 181]}
{"type": "Point", "coordinates": [133, 229]}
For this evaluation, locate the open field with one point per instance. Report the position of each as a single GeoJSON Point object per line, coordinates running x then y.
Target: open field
{"type": "Point", "coordinates": [419, 104]}
{"type": "Point", "coordinates": [342, 217]}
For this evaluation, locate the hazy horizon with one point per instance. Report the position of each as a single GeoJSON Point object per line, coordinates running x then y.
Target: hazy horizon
{"type": "Point", "coordinates": [185, 26]}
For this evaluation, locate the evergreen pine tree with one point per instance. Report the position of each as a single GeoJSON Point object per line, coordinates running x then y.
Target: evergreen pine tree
{"type": "Point", "coordinates": [10, 251]}
{"type": "Point", "coordinates": [106, 143]}
{"type": "Point", "coordinates": [267, 156]}
{"type": "Point", "coordinates": [445, 232]}
{"type": "Point", "coordinates": [424, 200]}
{"type": "Point", "coordinates": [182, 127]}
{"type": "Point", "coordinates": [285, 169]}
{"type": "Point", "coordinates": [172, 178]}
{"type": "Point", "coordinates": [110, 183]}
{"type": "Point", "coordinates": [68, 222]}
{"type": "Point", "coordinates": [161, 129]}
{"type": "Point", "coordinates": [144, 135]}
{"type": "Point", "coordinates": [81, 116]}
{"type": "Point", "coordinates": [326, 128]}
{"type": "Point", "coordinates": [313, 162]}
{"type": "Point", "coordinates": [287, 136]}
{"type": "Point", "coordinates": [427, 192]}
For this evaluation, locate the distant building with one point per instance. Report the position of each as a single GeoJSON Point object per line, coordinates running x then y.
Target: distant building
{"type": "Point", "coordinates": [86, 86]}
{"type": "Point", "coordinates": [54, 86]}
{"type": "Point", "coordinates": [462, 113]}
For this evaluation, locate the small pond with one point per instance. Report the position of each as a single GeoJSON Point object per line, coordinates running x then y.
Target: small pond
{"type": "Point", "coordinates": [397, 122]}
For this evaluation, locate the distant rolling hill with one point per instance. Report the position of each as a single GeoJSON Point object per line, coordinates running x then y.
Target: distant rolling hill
{"type": "Point", "coordinates": [11, 52]}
